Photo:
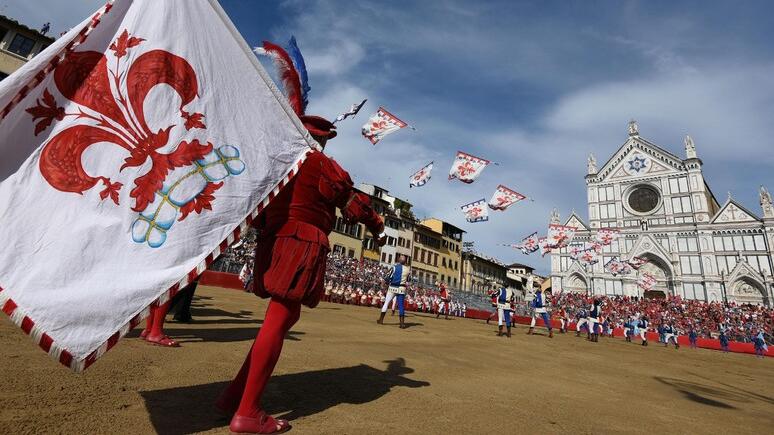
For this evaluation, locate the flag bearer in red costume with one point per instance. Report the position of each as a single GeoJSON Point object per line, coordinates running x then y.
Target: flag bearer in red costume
{"type": "Point", "coordinates": [291, 254]}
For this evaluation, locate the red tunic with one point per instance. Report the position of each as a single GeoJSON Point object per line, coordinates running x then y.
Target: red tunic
{"type": "Point", "coordinates": [293, 233]}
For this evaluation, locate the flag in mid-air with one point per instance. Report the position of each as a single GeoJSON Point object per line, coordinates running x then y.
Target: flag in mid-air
{"type": "Point", "coordinates": [559, 236]}
{"type": "Point", "coordinates": [380, 125]}
{"type": "Point", "coordinates": [353, 110]}
{"type": "Point", "coordinates": [545, 247]}
{"type": "Point", "coordinates": [466, 167]}
{"type": "Point", "coordinates": [504, 198]}
{"type": "Point", "coordinates": [617, 267]}
{"type": "Point", "coordinates": [646, 281]}
{"type": "Point", "coordinates": [421, 177]}
{"type": "Point", "coordinates": [637, 262]}
{"type": "Point", "coordinates": [606, 236]}
{"type": "Point", "coordinates": [529, 244]}
{"type": "Point", "coordinates": [135, 149]}
{"type": "Point", "coordinates": [476, 211]}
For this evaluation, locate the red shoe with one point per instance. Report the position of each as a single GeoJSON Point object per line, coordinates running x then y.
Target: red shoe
{"type": "Point", "coordinates": [262, 424]}
{"type": "Point", "coordinates": [162, 340]}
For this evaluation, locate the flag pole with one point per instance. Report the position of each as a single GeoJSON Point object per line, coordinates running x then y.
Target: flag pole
{"type": "Point", "coordinates": [264, 75]}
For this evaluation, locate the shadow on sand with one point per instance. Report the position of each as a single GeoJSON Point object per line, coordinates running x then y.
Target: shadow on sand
{"type": "Point", "coordinates": [190, 409]}
{"type": "Point", "coordinates": [708, 395]}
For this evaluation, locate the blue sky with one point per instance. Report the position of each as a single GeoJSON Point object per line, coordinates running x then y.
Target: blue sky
{"type": "Point", "coordinates": [533, 85]}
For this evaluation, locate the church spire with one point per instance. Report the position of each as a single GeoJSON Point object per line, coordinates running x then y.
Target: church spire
{"type": "Point", "coordinates": [591, 165]}
{"type": "Point", "coordinates": [555, 216]}
{"type": "Point", "coordinates": [634, 129]}
{"type": "Point", "coordinates": [766, 203]}
{"type": "Point", "coordinates": [690, 148]}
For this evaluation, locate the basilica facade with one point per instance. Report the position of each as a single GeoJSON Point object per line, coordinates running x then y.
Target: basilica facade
{"type": "Point", "coordinates": [696, 247]}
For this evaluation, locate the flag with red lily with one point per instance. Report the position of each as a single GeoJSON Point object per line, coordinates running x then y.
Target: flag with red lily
{"type": "Point", "coordinates": [504, 198]}
{"type": "Point", "coordinates": [545, 247]}
{"type": "Point", "coordinates": [421, 177]}
{"type": "Point", "coordinates": [606, 236]}
{"type": "Point", "coordinates": [559, 236]}
{"type": "Point", "coordinates": [617, 267]}
{"type": "Point", "coordinates": [466, 167]}
{"type": "Point", "coordinates": [135, 148]}
{"type": "Point", "coordinates": [637, 262]}
{"type": "Point", "coordinates": [380, 125]}
{"type": "Point", "coordinates": [476, 211]}
{"type": "Point", "coordinates": [528, 244]}
{"type": "Point", "coordinates": [646, 281]}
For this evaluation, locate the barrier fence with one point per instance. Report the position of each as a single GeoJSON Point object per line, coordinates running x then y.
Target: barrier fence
{"type": "Point", "coordinates": [231, 281]}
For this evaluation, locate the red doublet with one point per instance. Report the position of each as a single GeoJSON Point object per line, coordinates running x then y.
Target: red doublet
{"type": "Point", "coordinates": [293, 243]}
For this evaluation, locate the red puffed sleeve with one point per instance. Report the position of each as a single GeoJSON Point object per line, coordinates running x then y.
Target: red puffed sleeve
{"type": "Point", "coordinates": [338, 189]}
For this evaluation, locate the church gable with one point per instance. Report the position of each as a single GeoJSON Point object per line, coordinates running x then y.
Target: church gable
{"type": "Point", "coordinates": [639, 158]}
{"type": "Point", "coordinates": [732, 212]}
{"type": "Point", "coordinates": [574, 221]}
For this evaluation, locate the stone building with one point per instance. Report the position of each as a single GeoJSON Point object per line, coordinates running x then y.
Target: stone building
{"type": "Point", "coordinates": [450, 252]}
{"type": "Point", "coordinates": [18, 44]}
{"type": "Point", "coordinates": [696, 247]}
{"type": "Point", "coordinates": [482, 274]}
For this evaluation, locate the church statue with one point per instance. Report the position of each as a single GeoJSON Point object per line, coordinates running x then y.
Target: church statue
{"type": "Point", "coordinates": [634, 130]}
{"type": "Point", "coordinates": [555, 216]}
{"type": "Point", "coordinates": [690, 148]}
{"type": "Point", "coordinates": [592, 164]}
{"type": "Point", "coordinates": [766, 203]}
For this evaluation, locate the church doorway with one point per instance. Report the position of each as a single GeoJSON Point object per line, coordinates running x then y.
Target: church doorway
{"type": "Point", "coordinates": [663, 274]}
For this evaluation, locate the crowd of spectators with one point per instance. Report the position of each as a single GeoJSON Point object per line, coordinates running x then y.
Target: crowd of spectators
{"type": "Point", "coordinates": [362, 282]}
{"type": "Point", "coordinates": [707, 320]}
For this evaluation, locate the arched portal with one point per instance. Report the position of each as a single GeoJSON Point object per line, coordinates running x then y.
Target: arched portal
{"type": "Point", "coordinates": [660, 269]}
{"type": "Point", "coordinates": [576, 283]}
{"type": "Point", "coordinates": [748, 291]}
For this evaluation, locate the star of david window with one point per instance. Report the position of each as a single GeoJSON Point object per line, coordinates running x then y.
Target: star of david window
{"type": "Point", "coordinates": [644, 199]}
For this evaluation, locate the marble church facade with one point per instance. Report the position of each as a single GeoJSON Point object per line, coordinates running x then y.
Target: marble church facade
{"type": "Point", "coordinates": [696, 247]}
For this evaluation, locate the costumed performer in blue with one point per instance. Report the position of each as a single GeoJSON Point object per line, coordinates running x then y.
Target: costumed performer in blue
{"type": "Point", "coordinates": [540, 308]}
{"type": "Point", "coordinates": [396, 279]}
{"type": "Point", "coordinates": [505, 298]}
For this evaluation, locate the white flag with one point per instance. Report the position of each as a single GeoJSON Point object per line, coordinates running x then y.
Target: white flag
{"type": "Point", "coordinates": [466, 167]}
{"type": "Point", "coordinates": [421, 177]}
{"type": "Point", "coordinates": [646, 281]}
{"type": "Point", "coordinates": [504, 198]}
{"type": "Point", "coordinates": [136, 148]}
{"type": "Point", "coordinates": [476, 211]}
{"type": "Point", "coordinates": [618, 267]}
{"type": "Point", "coordinates": [380, 125]}
{"type": "Point", "coordinates": [545, 247]}
{"type": "Point", "coordinates": [606, 236]}
{"type": "Point", "coordinates": [559, 236]}
{"type": "Point", "coordinates": [351, 112]}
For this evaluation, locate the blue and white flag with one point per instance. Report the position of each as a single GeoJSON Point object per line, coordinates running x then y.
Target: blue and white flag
{"type": "Point", "coordinates": [351, 112]}
{"type": "Point", "coordinates": [476, 211]}
{"type": "Point", "coordinates": [421, 176]}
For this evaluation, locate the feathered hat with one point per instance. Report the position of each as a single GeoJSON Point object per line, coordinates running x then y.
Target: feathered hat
{"type": "Point", "coordinates": [292, 74]}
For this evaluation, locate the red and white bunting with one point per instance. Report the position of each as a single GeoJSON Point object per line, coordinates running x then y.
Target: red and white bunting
{"type": "Point", "coordinates": [421, 177]}
{"type": "Point", "coordinates": [559, 236]}
{"type": "Point", "coordinates": [606, 236]}
{"type": "Point", "coordinates": [109, 215]}
{"type": "Point", "coordinates": [380, 124]}
{"type": "Point", "coordinates": [466, 167]}
{"type": "Point", "coordinates": [646, 281]}
{"type": "Point", "coordinates": [504, 198]}
{"type": "Point", "coordinates": [476, 211]}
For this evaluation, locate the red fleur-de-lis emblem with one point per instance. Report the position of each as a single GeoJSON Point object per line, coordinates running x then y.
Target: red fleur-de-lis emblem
{"type": "Point", "coordinates": [109, 106]}
{"type": "Point", "coordinates": [465, 169]}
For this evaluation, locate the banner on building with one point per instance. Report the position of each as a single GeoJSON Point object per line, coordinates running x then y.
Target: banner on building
{"type": "Point", "coordinates": [466, 167]}
{"type": "Point", "coordinates": [422, 176]}
{"type": "Point", "coordinates": [476, 211]}
{"type": "Point", "coordinates": [504, 198]}
{"type": "Point", "coordinates": [135, 148]}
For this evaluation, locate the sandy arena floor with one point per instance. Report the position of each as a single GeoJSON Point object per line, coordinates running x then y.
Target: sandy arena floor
{"type": "Point", "coordinates": [340, 373]}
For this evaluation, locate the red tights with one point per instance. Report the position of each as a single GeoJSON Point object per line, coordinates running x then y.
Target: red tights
{"type": "Point", "coordinates": [154, 324]}
{"type": "Point", "coordinates": [251, 381]}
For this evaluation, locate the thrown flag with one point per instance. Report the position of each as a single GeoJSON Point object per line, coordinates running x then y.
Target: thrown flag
{"type": "Point", "coordinates": [606, 236]}
{"type": "Point", "coordinates": [545, 247]}
{"type": "Point", "coordinates": [559, 236]}
{"type": "Point", "coordinates": [467, 168]}
{"type": "Point", "coordinates": [353, 110]}
{"type": "Point", "coordinates": [529, 244]}
{"type": "Point", "coordinates": [504, 198]}
{"type": "Point", "coordinates": [646, 281]}
{"type": "Point", "coordinates": [637, 262]}
{"type": "Point", "coordinates": [106, 212]}
{"type": "Point", "coordinates": [421, 176]}
{"type": "Point", "coordinates": [618, 267]}
{"type": "Point", "coordinates": [380, 125]}
{"type": "Point", "coordinates": [476, 211]}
